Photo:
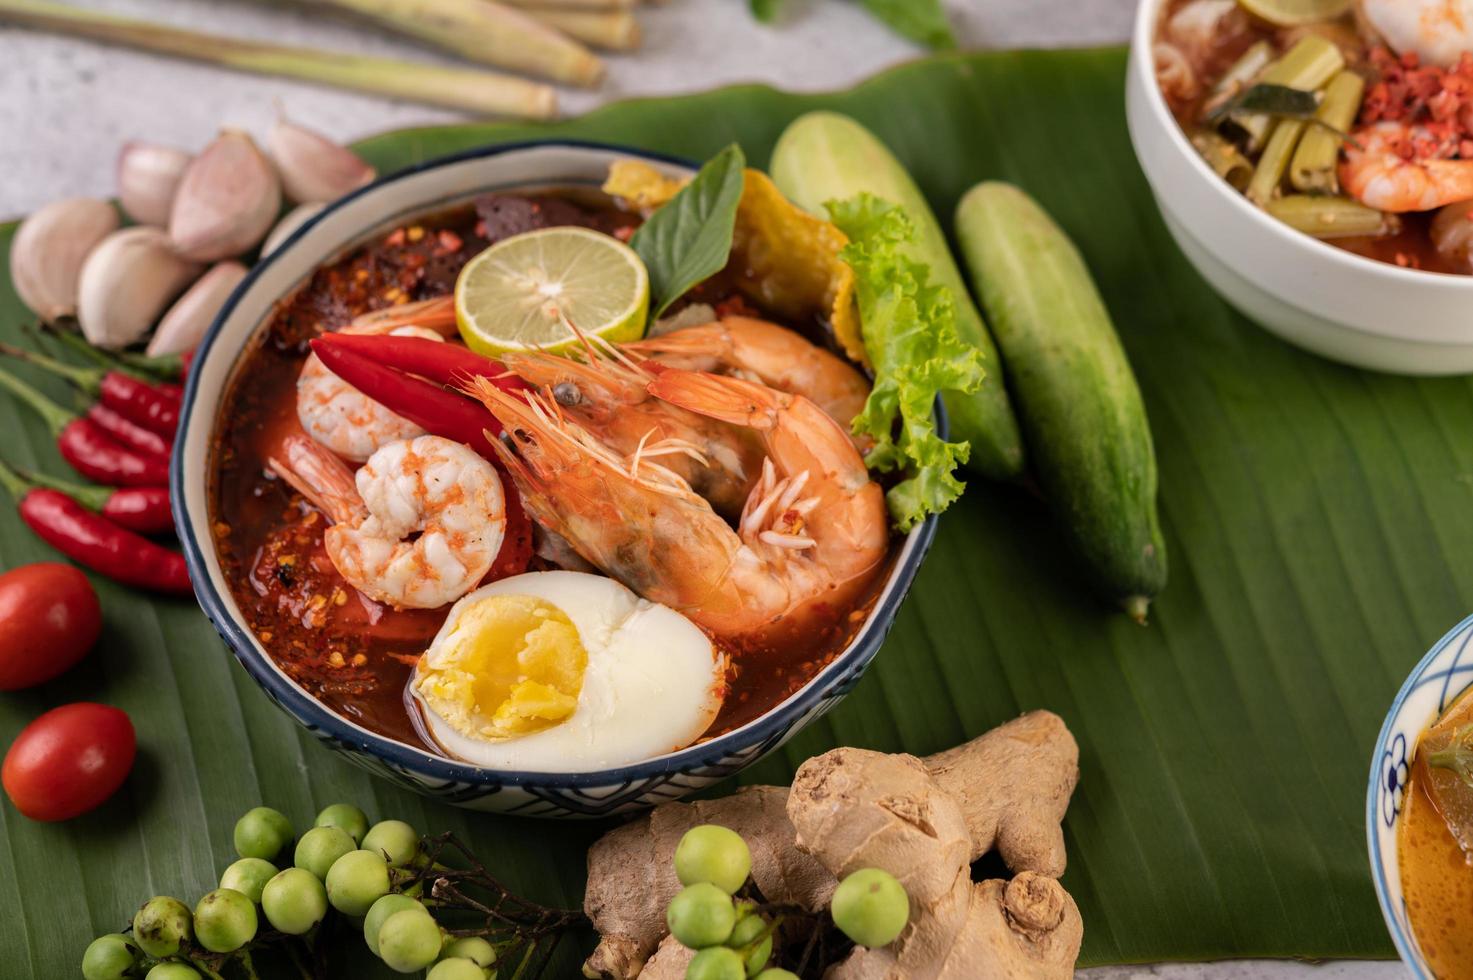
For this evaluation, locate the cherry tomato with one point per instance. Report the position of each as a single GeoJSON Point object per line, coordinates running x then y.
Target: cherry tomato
{"type": "Point", "coordinates": [68, 760]}
{"type": "Point", "coordinates": [49, 619]}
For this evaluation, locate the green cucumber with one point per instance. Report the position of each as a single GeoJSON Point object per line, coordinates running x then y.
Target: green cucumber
{"type": "Point", "coordinates": [1080, 407]}
{"type": "Point", "coordinates": [824, 156]}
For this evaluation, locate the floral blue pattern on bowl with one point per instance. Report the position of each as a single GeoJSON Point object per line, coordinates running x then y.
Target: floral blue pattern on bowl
{"type": "Point", "coordinates": [1441, 677]}
{"type": "Point", "coordinates": [375, 209]}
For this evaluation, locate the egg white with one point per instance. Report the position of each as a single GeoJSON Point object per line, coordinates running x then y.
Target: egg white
{"type": "Point", "coordinates": [653, 684]}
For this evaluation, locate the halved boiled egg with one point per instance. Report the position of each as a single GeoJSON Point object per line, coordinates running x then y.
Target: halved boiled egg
{"type": "Point", "coordinates": [566, 672]}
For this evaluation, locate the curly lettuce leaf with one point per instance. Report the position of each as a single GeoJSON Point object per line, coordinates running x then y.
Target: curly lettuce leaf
{"type": "Point", "coordinates": [909, 329]}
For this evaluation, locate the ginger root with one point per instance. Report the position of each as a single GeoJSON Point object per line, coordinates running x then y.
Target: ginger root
{"type": "Point", "coordinates": [856, 809]}
{"type": "Point", "coordinates": [1014, 785]}
{"type": "Point", "coordinates": [924, 821]}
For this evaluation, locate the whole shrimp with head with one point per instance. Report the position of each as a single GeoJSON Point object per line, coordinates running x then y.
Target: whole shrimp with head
{"type": "Point", "coordinates": [419, 525]}
{"type": "Point", "coordinates": [812, 534]}
{"type": "Point", "coordinates": [340, 416]}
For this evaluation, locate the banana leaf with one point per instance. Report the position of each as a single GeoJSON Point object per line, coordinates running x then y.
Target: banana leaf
{"type": "Point", "coordinates": [1317, 517]}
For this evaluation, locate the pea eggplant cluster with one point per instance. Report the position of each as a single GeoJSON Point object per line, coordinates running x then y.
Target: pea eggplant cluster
{"type": "Point", "coordinates": [277, 895]}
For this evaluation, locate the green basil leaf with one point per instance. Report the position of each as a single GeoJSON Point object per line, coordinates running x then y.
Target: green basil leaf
{"type": "Point", "coordinates": [920, 20]}
{"type": "Point", "coordinates": [689, 238]}
{"type": "Point", "coordinates": [766, 10]}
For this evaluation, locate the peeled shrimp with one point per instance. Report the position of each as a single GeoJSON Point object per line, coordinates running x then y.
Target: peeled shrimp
{"type": "Point", "coordinates": [1437, 31]}
{"type": "Point", "coordinates": [340, 416]}
{"type": "Point", "coordinates": [1202, 29]}
{"type": "Point", "coordinates": [1175, 74]}
{"type": "Point", "coordinates": [607, 395]}
{"type": "Point", "coordinates": [761, 351]}
{"type": "Point", "coordinates": [420, 524]}
{"type": "Point", "coordinates": [1391, 166]}
{"type": "Point", "coordinates": [812, 533]}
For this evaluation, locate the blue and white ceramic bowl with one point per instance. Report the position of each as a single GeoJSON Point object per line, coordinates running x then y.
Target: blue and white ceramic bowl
{"type": "Point", "coordinates": [368, 212]}
{"type": "Point", "coordinates": [1442, 676]}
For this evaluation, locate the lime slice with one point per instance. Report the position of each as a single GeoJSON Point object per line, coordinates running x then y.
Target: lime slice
{"type": "Point", "coordinates": [1294, 13]}
{"type": "Point", "coordinates": [522, 292]}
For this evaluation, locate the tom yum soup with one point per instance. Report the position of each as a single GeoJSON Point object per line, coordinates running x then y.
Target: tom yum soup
{"type": "Point", "coordinates": [1435, 843]}
{"type": "Point", "coordinates": [1350, 120]}
{"type": "Point", "coordinates": [469, 495]}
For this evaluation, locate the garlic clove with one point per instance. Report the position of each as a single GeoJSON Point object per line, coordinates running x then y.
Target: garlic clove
{"type": "Point", "coordinates": [295, 218]}
{"type": "Point", "coordinates": [47, 253]}
{"type": "Point", "coordinates": [185, 324]}
{"type": "Point", "coordinates": [228, 199]}
{"type": "Point", "coordinates": [313, 168]}
{"type": "Point", "coordinates": [126, 282]}
{"type": "Point", "coordinates": [148, 178]}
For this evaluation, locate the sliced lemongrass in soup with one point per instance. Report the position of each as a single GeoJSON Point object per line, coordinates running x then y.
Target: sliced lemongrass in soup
{"type": "Point", "coordinates": [522, 292]}
{"type": "Point", "coordinates": [1308, 65]}
{"type": "Point", "coordinates": [566, 672]}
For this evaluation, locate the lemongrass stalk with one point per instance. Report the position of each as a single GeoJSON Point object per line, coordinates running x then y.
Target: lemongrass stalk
{"type": "Point", "coordinates": [1313, 169]}
{"type": "Point", "coordinates": [1306, 66]}
{"type": "Point", "coordinates": [1269, 175]}
{"type": "Point", "coordinates": [1330, 217]}
{"type": "Point", "coordinates": [476, 91]}
{"type": "Point", "coordinates": [1237, 78]}
{"type": "Point", "coordinates": [575, 4]}
{"type": "Point", "coordinates": [612, 30]}
{"type": "Point", "coordinates": [1226, 160]}
{"type": "Point", "coordinates": [485, 31]}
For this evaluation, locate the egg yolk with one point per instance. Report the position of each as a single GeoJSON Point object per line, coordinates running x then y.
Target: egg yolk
{"type": "Point", "coordinates": [512, 665]}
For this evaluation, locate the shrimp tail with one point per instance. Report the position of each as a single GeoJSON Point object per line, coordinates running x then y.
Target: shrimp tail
{"type": "Point", "coordinates": [319, 476]}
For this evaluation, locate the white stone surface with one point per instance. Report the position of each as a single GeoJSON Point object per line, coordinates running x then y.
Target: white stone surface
{"type": "Point", "coordinates": [65, 106]}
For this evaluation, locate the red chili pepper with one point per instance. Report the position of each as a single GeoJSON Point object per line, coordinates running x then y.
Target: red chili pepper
{"type": "Point", "coordinates": [130, 434]}
{"type": "Point", "coordinates": [141, 509]}
{"type": "Point", "coordinates": [96, 542]}
{"type": "Point", "coordinates": [450, 365]}
{"type": "Point", "coordinates": [427, 405]}
{"type": "Point", "coordinates": [442, 413]}
{"type": "Point", "coordinates": [87, 446]}
{"type": "Point", "coordinates": [139, 401]}
{"type": "Point", "coordinates": [151, 407]}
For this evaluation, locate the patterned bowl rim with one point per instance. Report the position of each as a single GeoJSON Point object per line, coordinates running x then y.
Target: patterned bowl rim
{"type": "Point", "coordinates": [1405, 946]}
{"type": "Point", "coordinates": [302, 706]}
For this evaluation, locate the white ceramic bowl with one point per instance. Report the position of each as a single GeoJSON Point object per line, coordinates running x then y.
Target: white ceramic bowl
{"type": "Point", "coordinates": [1344, 306]}
{"type": "Point", "coordinates": [371, 211]}
{"type": "Point", "coordinates": [1441, 677]}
